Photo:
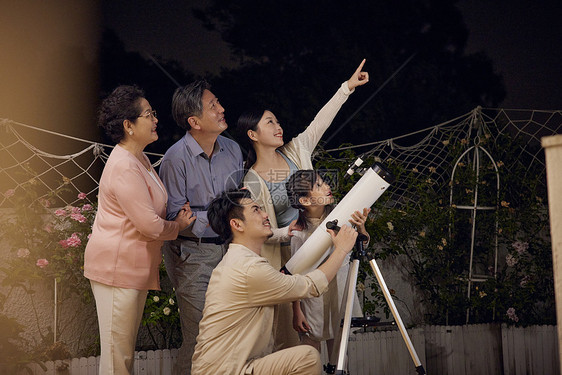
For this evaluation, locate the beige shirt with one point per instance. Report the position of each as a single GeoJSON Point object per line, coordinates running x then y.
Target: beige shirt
{"type": "Point", "coordinates": [299, 151]}
{"type": "Point", "coordinates": [237, 324]}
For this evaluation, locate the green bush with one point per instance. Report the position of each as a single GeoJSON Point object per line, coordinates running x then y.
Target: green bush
{"type": "Point", "coordinates": [429, 234]}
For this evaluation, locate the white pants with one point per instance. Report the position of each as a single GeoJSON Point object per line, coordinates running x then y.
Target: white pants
{"type": "Point", "coordinates": [119, 316]}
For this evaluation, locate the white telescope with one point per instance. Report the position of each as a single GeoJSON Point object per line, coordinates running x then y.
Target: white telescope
{"type": "Point", "coordinates": [366, 191]}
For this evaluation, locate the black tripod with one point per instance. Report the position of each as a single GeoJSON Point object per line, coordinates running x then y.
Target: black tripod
{"type": "Point", "coordinates": [341, 340]}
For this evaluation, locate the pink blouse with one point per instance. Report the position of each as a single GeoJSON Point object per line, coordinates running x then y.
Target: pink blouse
{"type": "Point", "coordinates": [125, 247]}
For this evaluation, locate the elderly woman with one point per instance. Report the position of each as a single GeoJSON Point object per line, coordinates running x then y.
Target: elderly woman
{"type": "Point", "coordinates": [123, 254]}
{"type": "Point", "coordinates": [271, 162]}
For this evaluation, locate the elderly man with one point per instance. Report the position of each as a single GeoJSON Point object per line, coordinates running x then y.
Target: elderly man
{"type": "Point", "coordinates": [196, 169]}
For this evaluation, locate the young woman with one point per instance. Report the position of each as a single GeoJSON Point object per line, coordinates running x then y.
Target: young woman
{"type": "Point", "coordinates": [271, 162]}
{"type": "Point", "coordinates": [317, 319]}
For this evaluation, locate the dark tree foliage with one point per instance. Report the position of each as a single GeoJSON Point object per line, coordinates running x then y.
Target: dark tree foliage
{"type": "Point", "coordinates": [295, 54]}
{"type": "Point", "coordinates": [119, 67]}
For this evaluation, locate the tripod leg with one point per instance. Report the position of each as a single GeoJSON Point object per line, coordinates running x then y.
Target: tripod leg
{"type": "Point", "coordinates": [342, 338]}
{"type": "Point", "coordinates": [419, 367]}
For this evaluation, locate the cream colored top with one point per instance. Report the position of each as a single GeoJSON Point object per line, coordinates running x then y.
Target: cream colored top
{"type": "Point", "coordinates": [299, 150]}
{"type": "Point", "coordinates": [237, 323]}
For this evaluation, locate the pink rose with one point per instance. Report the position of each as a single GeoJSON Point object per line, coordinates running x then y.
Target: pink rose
{"type": "Point", "coordinates": [73, 240]}
{"type": "Point", "coordinates": [82, 196]}
{"type": "Point", "coordinates": [87, 207]}
{"type": "Point", "coordinates": [78, 217]}
{"type": "Point", "coordinates": [75, 210]}
{"type": "Point", "coordinates": [63, 243]}
{"type": "Point", "coordinates": [60, 212]}
{"type": "Point", "coordinates": [42, 263]}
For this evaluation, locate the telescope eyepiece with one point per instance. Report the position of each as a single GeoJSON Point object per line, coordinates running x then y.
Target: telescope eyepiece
{"type": "Point", "coordinates": [332, 224]}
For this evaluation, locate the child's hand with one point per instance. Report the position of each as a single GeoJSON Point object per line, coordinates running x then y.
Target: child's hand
{"type": "Point", "coordinates": [299, 321]}
{"type": "Point", "coordinates": [359, 218]}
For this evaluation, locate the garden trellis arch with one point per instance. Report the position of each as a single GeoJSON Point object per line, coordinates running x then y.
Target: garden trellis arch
{"type": "Point", "coordinates": [477, 150]}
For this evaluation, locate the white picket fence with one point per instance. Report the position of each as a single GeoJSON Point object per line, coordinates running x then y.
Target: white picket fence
{"type": "Point", "coordinates": [485, 349]}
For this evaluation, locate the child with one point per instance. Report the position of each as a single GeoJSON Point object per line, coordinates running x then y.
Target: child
{"type": "Point", "coordinates": [318, 319]}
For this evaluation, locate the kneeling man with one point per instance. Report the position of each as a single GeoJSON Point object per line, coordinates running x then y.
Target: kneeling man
{"type": "Point", "coordinates": [236, 332]}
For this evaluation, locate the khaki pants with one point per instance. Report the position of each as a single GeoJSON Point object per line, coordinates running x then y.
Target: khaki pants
{"type": "Point", "coordinates": [298, 360]}
{"type": "Point", "coordinates": [119, 316]}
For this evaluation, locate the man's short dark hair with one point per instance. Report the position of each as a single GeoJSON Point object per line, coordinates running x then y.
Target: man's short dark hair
{"type": "Point", "coordinates": [225, 207]}
{"type": "Point", "coordinates": [187, 102]}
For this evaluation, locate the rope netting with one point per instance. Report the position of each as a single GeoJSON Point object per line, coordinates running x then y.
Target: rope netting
{"type": "Point", "coordinates": [24, 167]}
{"type": "Point", "coordinates": [427, 151]}
{"type": "Point", "coordinates": [43, 176]}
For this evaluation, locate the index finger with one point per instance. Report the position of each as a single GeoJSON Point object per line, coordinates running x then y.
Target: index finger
{"type": "Point", "coordinates": [360, 66]}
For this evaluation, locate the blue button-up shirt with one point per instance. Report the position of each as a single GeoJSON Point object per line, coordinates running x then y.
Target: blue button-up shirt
{"type": "Point", "coordinates": [190, 175]}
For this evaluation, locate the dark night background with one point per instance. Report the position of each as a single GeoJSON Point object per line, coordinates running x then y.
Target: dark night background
{"type": "Point", "coordinates": [62, 57]}
{"type": "Point", "coordinates": [291, 56]}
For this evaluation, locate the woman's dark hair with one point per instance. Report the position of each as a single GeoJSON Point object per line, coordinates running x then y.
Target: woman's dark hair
{"type": "Point", "coordinates": [300, 185]}
{"type": "Point", "coordinates": [249, 121]}
{"type": "Point", "coordinates": [224, 208]}
{"type": "Point", "coordinates": [122, 104]}
{"type": "Point", "coordinates": [187, 102]}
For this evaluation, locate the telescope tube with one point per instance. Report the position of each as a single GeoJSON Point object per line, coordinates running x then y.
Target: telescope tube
{"type": "Point", "coordinates": [366, 191]}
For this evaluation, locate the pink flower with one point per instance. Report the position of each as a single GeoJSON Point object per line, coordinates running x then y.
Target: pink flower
{"type": "Point", "coordinates": [512, 315]}
{"type": "Point", "coordinates": [82, 196]}
{"type": "Point", "coordinates": [60, 212]}
{"type": "Point", "coordinates": [23, 253]}
{"type": "Point", "coordinates": [510, 260]}
{"type": "Point", "coordinates": [87, 207]}
{"type": "Point", "coordinates": [78, 217]}
{"type": "Point", "coordinates": [64, 243]}
{"type": "Point", "coordinates": [75, 210]}
{"type": "Point", "coordinates": [42, 263]}
{"type": "Point", "coordinates": [73, 240]}
{"type": "Point", "coordinates": [9, 193]}
{"type": "Point", "coordinates": [520, 246]}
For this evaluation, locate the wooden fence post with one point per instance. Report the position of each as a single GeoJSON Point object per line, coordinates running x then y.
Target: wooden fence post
{"type": "Point", "coordinates": [553, 151]}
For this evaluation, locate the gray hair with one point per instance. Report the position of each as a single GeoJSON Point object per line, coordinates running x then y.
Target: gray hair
{"type": "Point", "coordinates": [187, 102]}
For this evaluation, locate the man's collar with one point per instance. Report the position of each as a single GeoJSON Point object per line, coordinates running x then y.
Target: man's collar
{"type": "Point", "coordinates": [196, 149]}
{"type": "Point", "coordinates": [239, 246]}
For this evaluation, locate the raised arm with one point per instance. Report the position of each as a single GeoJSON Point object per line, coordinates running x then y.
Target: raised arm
{"type": "Point", "coordinates": [310, 137]}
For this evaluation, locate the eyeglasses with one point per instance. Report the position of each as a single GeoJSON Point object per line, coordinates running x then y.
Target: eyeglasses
{"type": "Point", "coordinates": [149, 114]}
